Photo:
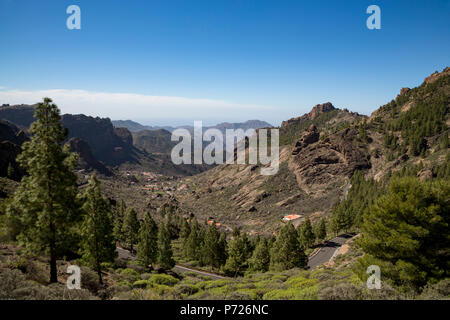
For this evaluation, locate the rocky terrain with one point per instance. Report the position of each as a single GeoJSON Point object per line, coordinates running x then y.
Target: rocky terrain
{"type": "Point", "coordinates": [319, 153]}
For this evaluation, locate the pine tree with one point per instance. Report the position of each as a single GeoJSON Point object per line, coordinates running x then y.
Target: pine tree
{"type": "Point", "coordinates": [131, 227]}
{"type": "Point", "coordinates": [165, 255]}
{"type": "Point", "coordinates": [193, 242]}
{"type": "Point", "coordinates": [261, 257]}
{"type": "Point", "coordinates": [210, 249]}
{"type": "Point", "coordinates": [118, 222]}
{"type": "Point", "coordinates": [44, 203]}
{"type": "Point", "coordinates": [247, 245]}
{"type": "Point", "coordinates": [237, 260]}
{"type": "Point", "coordinates": [406, 232]}
{"type": "Point", "coordinates": [10, 171]}
{"type": "Point", "coordinates": [306, 234]}
{"type": "Point", "coordinates": [222, 249]}
{"type": "Point", "coordinates": [287, 252]}
{"type": "Point", "coordinates": [321, 230]}
{"type": "Point", "coordinates": [185, 230]}
{"type": "Point", "coordinates": [98, 243]}
{"type": "Point", "coordinates": [148, 240]}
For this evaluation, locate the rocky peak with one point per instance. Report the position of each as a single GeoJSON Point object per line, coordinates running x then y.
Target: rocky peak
{"type": "Point", "coordinates": [436, 75]}
{"type": "Point", "coordinates": [317, 110]}
{"type": "Point", "coordinates": [321, 108]}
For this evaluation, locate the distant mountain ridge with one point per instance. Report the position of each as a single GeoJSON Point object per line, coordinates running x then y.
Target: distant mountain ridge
{"type": "Point", "coordinates": [134, 126]}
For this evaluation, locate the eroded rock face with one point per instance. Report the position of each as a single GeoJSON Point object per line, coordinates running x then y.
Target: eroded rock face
{"type": "Point", "coordinates": [320, 165]}
{"type": "Point", "coordinates": [110, 145]}
{"type": "Point", "coordinates": [309, 136]}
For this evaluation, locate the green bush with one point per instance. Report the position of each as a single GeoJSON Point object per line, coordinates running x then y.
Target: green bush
{"type": "Point", "coordinates": [128, 272]}
{"type": "Point", "coordinates": [186, 289]}
{"type": "Point", "coordinates": [307, 293]}
{"type": "Point", "coordinates": [164, 279]}
{"type": "Point", "coordinates": [141, 284]}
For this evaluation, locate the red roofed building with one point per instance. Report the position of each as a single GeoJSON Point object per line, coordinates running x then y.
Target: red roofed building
{"type": "Point", "coordinates": [291, 217]}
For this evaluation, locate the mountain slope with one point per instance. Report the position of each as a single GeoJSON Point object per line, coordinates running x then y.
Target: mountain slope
{"type": "Point", "coordinates": [319, 153]}
{"type": "Point", "coordinates": [240, 196]}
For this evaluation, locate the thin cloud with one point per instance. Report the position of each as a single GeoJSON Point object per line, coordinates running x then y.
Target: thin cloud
{"type": "Point", "coordinates": [127, 105]}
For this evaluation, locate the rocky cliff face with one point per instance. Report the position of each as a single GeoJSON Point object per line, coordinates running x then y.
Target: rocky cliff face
{"type": "Point", "coordinates": [110, 145]}
{"type": "Point", "coordinates": [86, 159]}
{"type": "Point", "coordinates": [320, 164]}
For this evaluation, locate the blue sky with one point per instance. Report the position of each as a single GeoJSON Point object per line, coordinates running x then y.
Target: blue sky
{"type": "Point", "coordinates": [172, 62]}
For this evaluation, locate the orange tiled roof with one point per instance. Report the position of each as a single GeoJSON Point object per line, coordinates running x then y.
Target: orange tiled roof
{"type": "Point", "coordinates": [292, 217]}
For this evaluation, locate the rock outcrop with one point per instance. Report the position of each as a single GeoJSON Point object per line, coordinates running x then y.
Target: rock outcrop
{"type": "Point", "coordinates": [321, 164]}
{"type": "Point", "coordinates": [314, 113]}
{"type": "Point", "coordinates": [86, 159]}
{"type": "Point", "coordinates": [308, 137]}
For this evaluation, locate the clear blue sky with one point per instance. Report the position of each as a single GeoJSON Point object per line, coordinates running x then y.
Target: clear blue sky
{"type": "Point", "coordinates": [214, 60]}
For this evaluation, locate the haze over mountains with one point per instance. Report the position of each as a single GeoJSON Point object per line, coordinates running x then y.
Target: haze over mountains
{"type": "Point", "coordinates": [102, 143]}
{"type": "Point", "coordinates": [135, 126]}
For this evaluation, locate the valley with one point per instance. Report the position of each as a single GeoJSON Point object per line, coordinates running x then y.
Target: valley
{"type": "Point", "coordinates": [225, 231]}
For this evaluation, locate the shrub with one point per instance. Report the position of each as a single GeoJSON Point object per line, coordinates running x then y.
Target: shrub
{"type": "Point", "coordinates": [341, 291]}
{"type": "Point", "coordinates": [141, 284]}
{"type": "Point", "coordinates": [164, 279]}
{"type": "Point", "coordinates": [89, 280]}
{"type": "Point", "coordinates": [186, 289]}
{"type": "Point", "coordinates": [146, 276]}
{"type": "Point", "coordinates": [213, 284]}
{"type": "Point", "coordinates": [243, 295]}
{"type": "Point", "coordinates": [130, 274]}
{"type": "Point", "coordinates": [437, 291]}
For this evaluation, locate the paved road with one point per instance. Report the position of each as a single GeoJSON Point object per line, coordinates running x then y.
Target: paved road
{"type": "Point", "coordinates": [213, 276]}
{"type": "Point", "coordinates": [126, 254]}
{"type": "Point", "coordinates": [327, 251]}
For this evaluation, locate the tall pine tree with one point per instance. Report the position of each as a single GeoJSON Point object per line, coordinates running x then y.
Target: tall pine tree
{"type": "Point", "coordinates": [306, 234]}
{"type": "Point", "coordinates": [44, 203]}
{"type": "Point", "coordinates": [321, 230]}
{"type": "Point", "coordinates": [237, 256]}
{"type": "Point", "coordinates": [131, 227]}
{"type": "Point", "coordinates": [287, 252]}
{"type": "Point", "coordinates": [119, 218]}
{"type": "Point", "coordinates": [165, 254]}
{"type": "Point", "coordinates": [98, 243]}
{"type": "Point", "coordinates": [193, 242]}
{"type": "Point", "coordinates": [261, 257]}
{"type": "Point", "coordinates": [148, 240]}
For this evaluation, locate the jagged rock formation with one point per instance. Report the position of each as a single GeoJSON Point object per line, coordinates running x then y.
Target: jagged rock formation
{"type": "Point", "coordinates": [315, 111]}
{"type": "Point", "coordinates": [310, 136]}
{"type": "Point", "coordinates": [318, 165]}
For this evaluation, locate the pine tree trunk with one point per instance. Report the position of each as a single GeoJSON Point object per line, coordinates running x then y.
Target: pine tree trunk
{"type": "Point", "coordinates": [99, 272]}
{"type": "Point", "coordinates": [53, 270]}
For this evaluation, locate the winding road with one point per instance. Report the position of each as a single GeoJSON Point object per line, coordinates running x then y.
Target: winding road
{"type": "Point", "coordinates": [324, 254]}
{"type": "Point", "coordinates": [127, 255]}
{"type": "Point", "coordinates": [327, 251]}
